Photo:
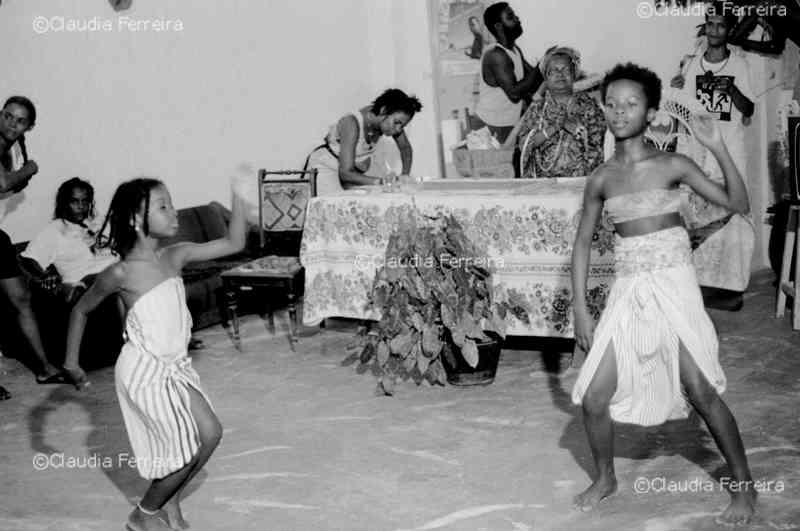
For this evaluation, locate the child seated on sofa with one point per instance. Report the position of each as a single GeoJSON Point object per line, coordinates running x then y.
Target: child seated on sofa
{"type": "Point", "coordinates": [67, 242]}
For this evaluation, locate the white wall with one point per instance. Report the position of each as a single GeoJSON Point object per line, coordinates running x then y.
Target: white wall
{"type": "Point", "coordinates": [246, 84]}
{"type": "Point", "coordinates": [606, 33]}
{"type": "Point", "coordinates": [253, 83]}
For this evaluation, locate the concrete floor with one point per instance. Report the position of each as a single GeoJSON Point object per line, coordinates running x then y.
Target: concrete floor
{"type": "Point", "coordinates": [308, 445]}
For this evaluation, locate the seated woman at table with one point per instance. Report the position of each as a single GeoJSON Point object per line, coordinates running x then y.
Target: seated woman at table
{"type": "Point", "coordinates": [343, 161]}
{"type": "Point", "coordinates": [561, 134]}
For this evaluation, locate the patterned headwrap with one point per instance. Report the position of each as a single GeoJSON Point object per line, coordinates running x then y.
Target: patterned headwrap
{"type": "Point", "coordinates": [563, 51]}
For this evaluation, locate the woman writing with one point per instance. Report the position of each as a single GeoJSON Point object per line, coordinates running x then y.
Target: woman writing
{"type": "Point", "coordinates": [344, 160]}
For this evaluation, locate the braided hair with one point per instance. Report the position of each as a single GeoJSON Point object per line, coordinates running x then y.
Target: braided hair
{"type": "Point", "coordinates": [130, 197]}
{"type": "Point", "coordinates": [64, 196]}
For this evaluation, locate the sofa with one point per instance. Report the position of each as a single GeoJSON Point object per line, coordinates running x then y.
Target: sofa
{"type": "Point", "coordinates": [102, 339]}
{"type": "Point", "coordinates": [204, 295]}
{"type": "Point", "coordinates": [103, 336]}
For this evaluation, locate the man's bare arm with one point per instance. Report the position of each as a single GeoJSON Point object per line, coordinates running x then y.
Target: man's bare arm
{"type": "Point", "coordinates": [500, 69]}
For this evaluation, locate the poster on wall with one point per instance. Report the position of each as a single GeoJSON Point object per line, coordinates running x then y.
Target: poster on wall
{"type": "Point", "coordinates": [461, 39]}
{"type": "Point", "coordinates": [462, 36]}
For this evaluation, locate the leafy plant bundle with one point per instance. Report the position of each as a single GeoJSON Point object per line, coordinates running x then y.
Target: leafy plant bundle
{"type": "Point", "coordinates": [434, 292]}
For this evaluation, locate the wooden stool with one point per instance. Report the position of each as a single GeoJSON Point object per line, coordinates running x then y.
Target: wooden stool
{"type": "Point", "coordinates": [791, 245]}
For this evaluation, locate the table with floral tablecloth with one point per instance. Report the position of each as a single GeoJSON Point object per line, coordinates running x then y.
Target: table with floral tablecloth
{"type": "Point", "coordinates": [525, 228]}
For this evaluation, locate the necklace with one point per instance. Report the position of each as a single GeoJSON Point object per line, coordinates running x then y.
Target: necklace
{"type": "Point", "coordinates": [537, 153]}
{"type": "Point", "coordinates": [708, 70]}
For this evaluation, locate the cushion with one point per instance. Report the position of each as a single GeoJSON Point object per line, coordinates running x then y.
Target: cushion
{"type": "Point", "coordinates": [270, 265]}
{"type": "Point", "coordinates": [213, 220]}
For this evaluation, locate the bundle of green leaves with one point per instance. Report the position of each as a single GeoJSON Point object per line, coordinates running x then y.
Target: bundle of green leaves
{"type": "Point", "coordinates": [435, 296]}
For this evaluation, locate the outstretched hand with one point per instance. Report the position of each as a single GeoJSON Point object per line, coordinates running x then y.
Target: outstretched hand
{"type": "Point", "coordinates": [677, 82]}
{"type": "Point", "coordinates": [706, 131]}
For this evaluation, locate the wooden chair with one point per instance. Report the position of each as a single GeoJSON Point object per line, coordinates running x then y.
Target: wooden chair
{"type": "Point", "coordinates": [283, 199]}
{"type": "Point", "coordinates": [791, 246]}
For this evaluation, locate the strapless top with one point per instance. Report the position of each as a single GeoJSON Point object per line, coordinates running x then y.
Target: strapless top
{"type": "Point", "coordinates": [642, 204]}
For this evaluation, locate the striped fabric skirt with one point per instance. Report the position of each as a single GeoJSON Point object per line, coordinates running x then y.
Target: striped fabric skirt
{"type": "Point", "coordinates": [155, 401]}
{"type": "Point", "coordinates": [655, 305]}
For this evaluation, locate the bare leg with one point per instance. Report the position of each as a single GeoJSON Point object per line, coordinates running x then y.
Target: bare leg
{"type": "Point", "coordinates": [140, 520]}
{"type": "Point", "coordinates": [600, 431]}
{"type": "Point", "coordinates": [18, 294]}
{"type": "Point", "coordinates": [164, 493]}
{"type": "Point", "coordinates": [723, 428]}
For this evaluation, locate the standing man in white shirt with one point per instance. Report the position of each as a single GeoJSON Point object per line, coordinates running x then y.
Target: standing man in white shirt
{"type": "Point", "coordinates": [507, 80]}
{"type": "Point", "coordinates": [719, 77]}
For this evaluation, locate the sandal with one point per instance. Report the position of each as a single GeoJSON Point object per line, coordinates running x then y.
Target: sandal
{"type": "Point", "coordinates": [57, 378]}
{"type": "Point", "coordinates": [4, 394]}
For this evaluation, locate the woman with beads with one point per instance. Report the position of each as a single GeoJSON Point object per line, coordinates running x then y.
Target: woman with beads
{"type": "Point", "coordinates": [561, 134]}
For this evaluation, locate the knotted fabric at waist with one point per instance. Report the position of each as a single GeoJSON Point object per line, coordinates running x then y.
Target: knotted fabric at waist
{"type": "Point", "coordinates": [650, 252]}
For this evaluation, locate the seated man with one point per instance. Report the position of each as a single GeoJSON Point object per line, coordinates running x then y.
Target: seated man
{"type": "Point", "coordinates": [67, 242]}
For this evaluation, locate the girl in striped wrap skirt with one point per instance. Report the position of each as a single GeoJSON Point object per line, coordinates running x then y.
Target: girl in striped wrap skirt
{"type": "Point", "coordinates": [172, 428]}
{"type": "Point", "coordinates": [654, 338]}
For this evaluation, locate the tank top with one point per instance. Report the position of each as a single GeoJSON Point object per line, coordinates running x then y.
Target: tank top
{"type": "Point", "coordinates": [493, 106]}
{"type": "Point", "coordinates": [363, 148]}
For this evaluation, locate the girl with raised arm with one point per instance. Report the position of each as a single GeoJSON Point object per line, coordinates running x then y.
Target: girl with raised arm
{"type": "Point", "coordinates": [171, 425]}
{"type": "Point", "coordinates": [654, 335]}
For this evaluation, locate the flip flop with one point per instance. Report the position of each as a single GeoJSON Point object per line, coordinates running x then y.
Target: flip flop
{"type": "Point", "coordinates": [4, 394]}
{"type": "Point", "coordinates": [57, 378]}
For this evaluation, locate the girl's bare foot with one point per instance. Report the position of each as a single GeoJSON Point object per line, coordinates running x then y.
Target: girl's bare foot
{"type": "Point", "coordinates": [140, 521]}
{"type": "Point", "coordinates": [741, 509]}
{"type": "Point", "coordinates": [603, 487]}
{"type": "Point", "coordinates": [174, 515]}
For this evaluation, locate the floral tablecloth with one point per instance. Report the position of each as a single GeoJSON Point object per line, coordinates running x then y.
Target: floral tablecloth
{"type": "Point", "coordinates": [525, 228]}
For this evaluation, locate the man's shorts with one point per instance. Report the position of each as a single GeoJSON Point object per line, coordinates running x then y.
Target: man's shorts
{"type": "Point", "coordinates": [9, 263]}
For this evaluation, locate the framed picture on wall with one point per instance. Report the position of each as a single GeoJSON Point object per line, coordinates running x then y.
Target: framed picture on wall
{"type": "Point", "coordinates": [460, 38]}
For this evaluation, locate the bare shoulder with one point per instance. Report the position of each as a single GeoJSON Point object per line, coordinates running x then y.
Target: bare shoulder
{"type": "Point", "coordinates": [176, 255]}
{"type": "Point", "coordinates": [678, 165]}
{"type": "Point", "coordinates": [114, 276]}
{"type": "Point", "coordinates": [596, 182]}
{"type": "Point", "coordinates": [348, 121]}
{"type": "Point", "coordinates": [495, 56]}
{"type": "Point", "coordinates": [678, 160]}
